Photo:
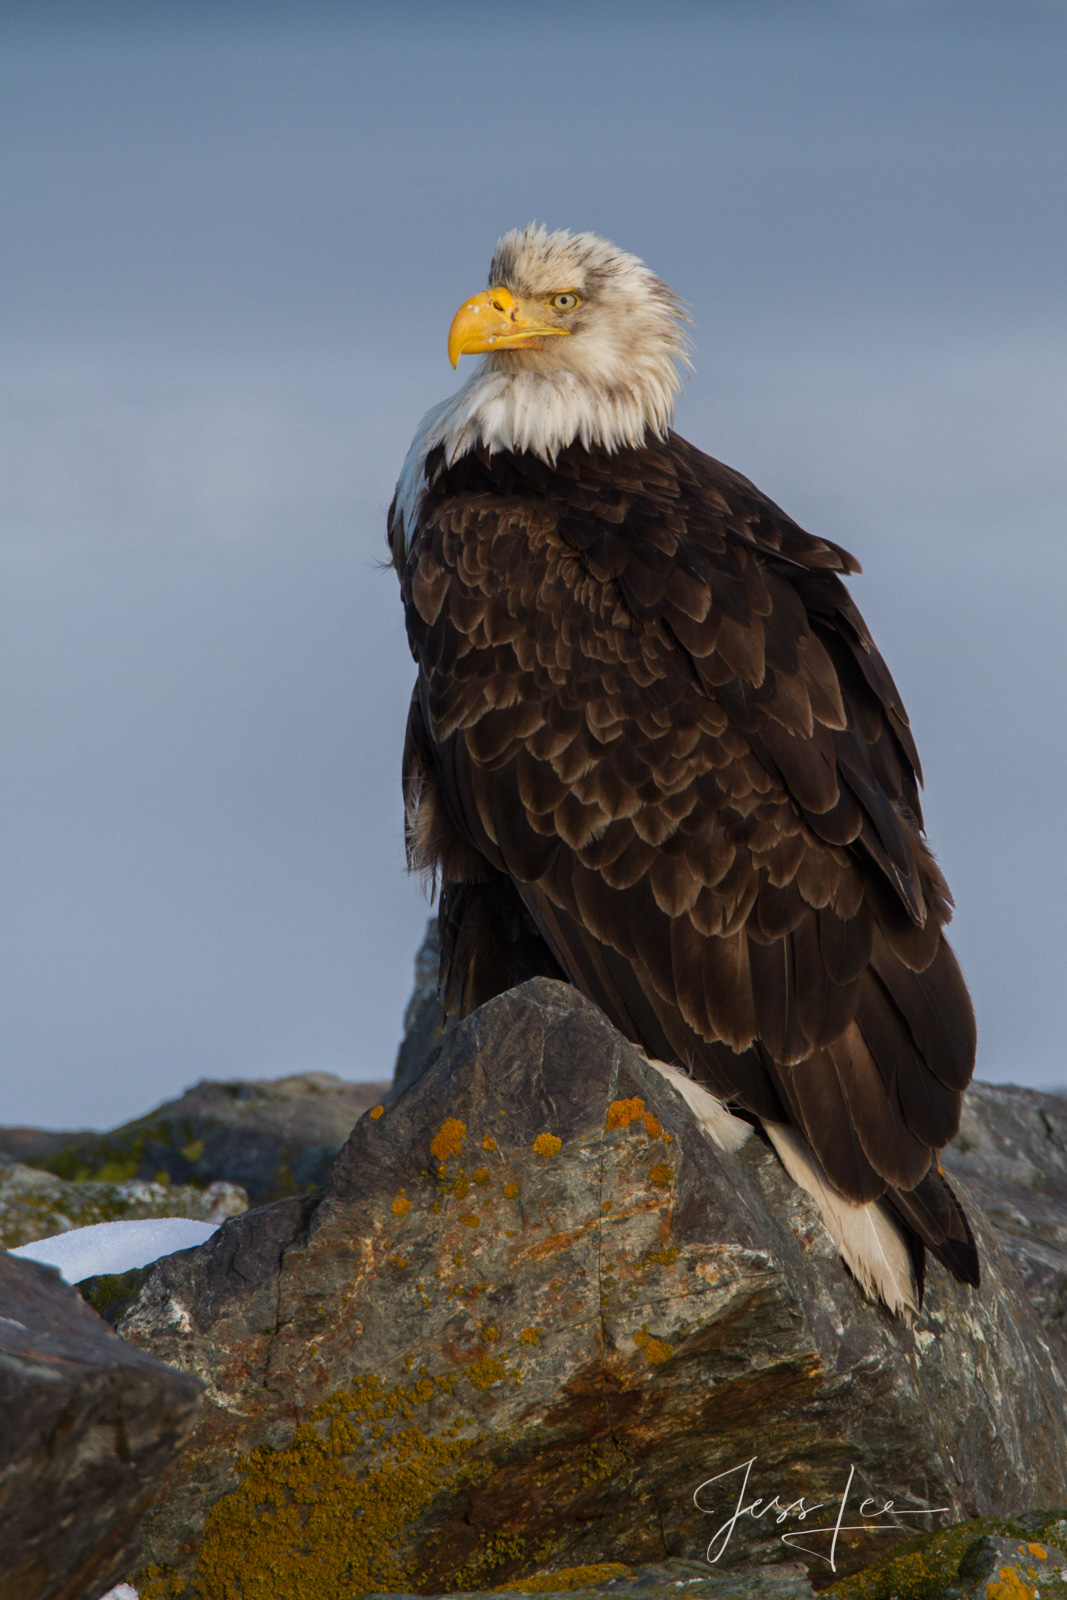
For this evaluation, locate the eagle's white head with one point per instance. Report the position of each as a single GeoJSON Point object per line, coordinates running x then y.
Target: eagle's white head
{"type": "Point", "coordinates": [579, 341]}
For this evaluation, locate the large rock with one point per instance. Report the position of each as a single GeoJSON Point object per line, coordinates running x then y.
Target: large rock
{"type": "Point", "coordinates": [88, 1426]}
{"type": "Point", "coordinates": [1012, 1155]}
{"type": "Point", "coordinates": [272, 1136]}
{"type": "Point", "coordinates": [537, 1310]}
{"type": "Point", "coordinates": [36, 1204]}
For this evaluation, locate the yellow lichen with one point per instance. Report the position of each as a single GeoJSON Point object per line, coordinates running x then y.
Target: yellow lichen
{"type": "Point", "coordinates": [511, 1190]}
{"type": "Point", "coordinates": [376, 1112]}
{"type": "Point", "coordinates": [641, 1338]}
{"type": "Point", "coordinates": [448, 1140]}
{"type": "Point", "coordinates": [484, 1373]}
{"type": "Point", "coordinates": [666, 1257]}
{"type": "Point", "coordinates": [530, 1336]}
{"type": "Point", "coordinates": [657, 1351]}
{"type": "Point", "coordinates": [400, 1262]}
{"type": "Point", "coordinates": [652, 1126]}
{"type": "Point", "coordinates": [622, 1112]}
{"type": "Point", "coordinates": [1039, 1551]}
{"type": "Point", "coordinates": [303, 1524]}
{"type": "Point", "coordinates": [480, 1175]}
{"type": "Point", "coordinates": [460, 1187]}
{"type": "Point", "coordinates": [491, 1332]}
{"type": "Point", "coordinates": [662, 1174]}
{"type": "Point", "coordinates": [566, 1579]}
{"type": "Point", "coordinates": [469, 1220]}
{"type": "Point", "coordinates": [547, 1144]}
{"type": "Point", "coordinates": [488, 1143]}
{"type": "Point", "coordinates": [602, 1460]}
{"type": "Point", "coordinates": [401, 1205]}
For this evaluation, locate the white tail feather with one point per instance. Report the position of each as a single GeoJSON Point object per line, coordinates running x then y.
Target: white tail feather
{"type": "Point", "coordinates": [724, 1130]}
{"type": "Point", "coordinates": [873, 1247]}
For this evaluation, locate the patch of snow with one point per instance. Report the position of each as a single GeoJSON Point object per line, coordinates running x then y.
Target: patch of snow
{"type": "Point", "coordinates": [115, 1247]}
{"type": "Point", "coordinates": [125, 1591]}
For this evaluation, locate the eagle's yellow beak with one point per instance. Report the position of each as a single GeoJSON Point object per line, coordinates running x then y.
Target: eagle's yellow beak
{"type": "Point", "coordinates": [495, 320]}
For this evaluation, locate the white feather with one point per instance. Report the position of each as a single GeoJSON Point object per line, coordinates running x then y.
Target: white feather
{"type": "Point", "coordinates": [724, 1130]}
{"type": "Point", "coordinates": [612, 383]}
{"type": "Point", "coordinates": [872, 1246]}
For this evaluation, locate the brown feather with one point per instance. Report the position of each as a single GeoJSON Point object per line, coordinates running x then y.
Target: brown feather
{"type": "Point", "coordinates": [657, 751]}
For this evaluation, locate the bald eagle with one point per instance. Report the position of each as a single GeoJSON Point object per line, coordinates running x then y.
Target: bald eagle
{"type": "Point", "coordinates": [653, 750]}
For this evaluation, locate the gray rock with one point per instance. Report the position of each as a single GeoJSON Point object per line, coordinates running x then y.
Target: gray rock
{"type": "Point", "coordinates": [89, 1426]}
{"type": "Point", "coordinates": [36, 1204]}
{"type": "Point", "coordinates": [25, 1144]}
{"type": "Point", "coordinates": [662, 1581]}
{"type": "Point", "coordinates": [1012, 1155]}
{"type": "Point", "coordinates": [534, 1313]}
{"type": "Point", "coordinates": [273, 1137]}
{"type": "Point", "coordinates": [424, 1017]}
{"type": "Point", "coordinates": [1011, 1569]}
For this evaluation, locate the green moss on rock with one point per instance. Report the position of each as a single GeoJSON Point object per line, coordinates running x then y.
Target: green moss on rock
{"type": "Point", "coordinates": [924, 1567]}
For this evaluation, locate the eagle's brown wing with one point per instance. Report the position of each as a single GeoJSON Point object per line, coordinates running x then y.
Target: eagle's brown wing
{"type": "Point", "coordinates": [646, 699]}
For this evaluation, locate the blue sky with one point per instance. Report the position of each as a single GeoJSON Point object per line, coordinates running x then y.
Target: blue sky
{"type": "Point", "coordinates": [233, 240]}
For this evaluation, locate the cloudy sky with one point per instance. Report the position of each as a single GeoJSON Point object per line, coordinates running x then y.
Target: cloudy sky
{"type": "Point", "coordinates": [233, 239]}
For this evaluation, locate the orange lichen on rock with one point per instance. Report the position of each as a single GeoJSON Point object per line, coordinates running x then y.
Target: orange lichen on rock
{"type": "Point", "coordinates": [662, 1174]}
{"type": "Point", "coordinates": [480, 1175]}
{"type": "Point", "coordinates": [377, 1112]}
{"type": "Point", "coordinates": [401, 1205]}
{"type": "Point", "coordinates": [657, 1351]}
{"type": "Point", "coordinates": [547, 1144]}
{"type": "Point", "coordinates": [622, 1112]}
{"type": "Point", "coordinates": [511, 1191]}
{"type": "Point", "coordinates": [470, 1220]}
{"type": "Point", "coordinates": [530, 1336]}
{"type": "Point", "coordinates": [652, 1126]}
{"type": "Point", "coordinates": [488, 1143]}
{"type": "Point", "coordinates": [448, 1140]}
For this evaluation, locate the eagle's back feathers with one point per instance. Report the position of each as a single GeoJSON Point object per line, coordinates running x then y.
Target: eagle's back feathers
{"type": "Point", "coordinates": [653, 744]}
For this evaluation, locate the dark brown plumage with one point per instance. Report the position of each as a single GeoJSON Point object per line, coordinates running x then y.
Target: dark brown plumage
{"type": "Point", "coordinates": [652, 747]}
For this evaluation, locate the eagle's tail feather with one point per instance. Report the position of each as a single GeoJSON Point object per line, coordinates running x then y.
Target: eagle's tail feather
{"type": "Point", "coordinates": [723, 1129]}
{"type": "Point", "coordinates": [932, 1211]}
{"type": "Point", "coordinates": [873, 1245]}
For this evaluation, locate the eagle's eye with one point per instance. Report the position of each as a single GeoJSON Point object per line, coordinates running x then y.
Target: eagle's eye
{"type": "Point", "coordinates": [564, 302]}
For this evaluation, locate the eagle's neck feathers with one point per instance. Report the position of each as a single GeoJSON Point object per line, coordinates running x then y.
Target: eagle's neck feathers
{"type": "Point", "coordinates": [520, 408]}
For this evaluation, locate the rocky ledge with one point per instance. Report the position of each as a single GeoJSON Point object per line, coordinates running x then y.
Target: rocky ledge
{"type": "Point", "coordinates": [538, 1321]}
{"type": "Point", "coordinates": [272, 1137]}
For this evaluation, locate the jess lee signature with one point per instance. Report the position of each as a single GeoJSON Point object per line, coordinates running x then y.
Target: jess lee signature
{"type": "Point", "coordinates": [800, 1510]}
